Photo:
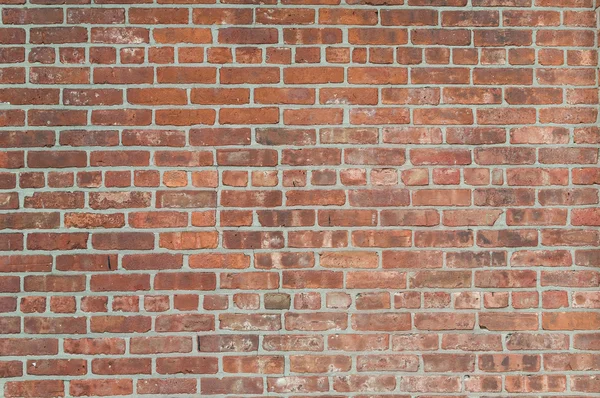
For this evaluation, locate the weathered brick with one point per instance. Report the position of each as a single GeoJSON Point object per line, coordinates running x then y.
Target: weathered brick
{"type": "Point", "coordinates": [395, 174]}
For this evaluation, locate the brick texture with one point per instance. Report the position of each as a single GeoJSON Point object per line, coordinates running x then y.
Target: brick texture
{"type": "Point", "coordinates": [299, 198]}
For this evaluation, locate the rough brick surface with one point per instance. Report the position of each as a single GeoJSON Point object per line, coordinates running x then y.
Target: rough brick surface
{"type": "Point", "coordinates": [299, 198]}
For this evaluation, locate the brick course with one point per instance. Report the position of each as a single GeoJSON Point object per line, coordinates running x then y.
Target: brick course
{"type": "Point", "coordinates": [299, 198]}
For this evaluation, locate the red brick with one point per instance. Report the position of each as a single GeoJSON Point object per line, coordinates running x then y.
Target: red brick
{"type": "Point", "coordinates": [101, 387]}
{"type": "Point", "coordinates": [247, 36]}
{"type": "Point", "coordinates": [341, 16]}
{"type": "Point", "coordinates": [415, 239]}
{"type": "Point", "coordinates": [512, 322]}
{"type": "Point", "coordinates": [455, 37]}
{"type": "Point", "coordinates": [315, 321]}
{"type": "Point", "coordinates": [166, 386]}
{"type": "Point", "coordinates": [426, 321]}
{"type": "Point", "coordinates": [377, 75]}
{"type": "Point", "coordinates": [409, 17]}
{"type": "Point", "coordinates": [470, 18]}
{"type": "Point", "coordinates": [440, 76]}
{"type": "Point", "coordinates": [502, 37]}
{"type": "Point", "coordinates": [185, 323]}
{"type": "Point", "coordinates": [187, 365]}
{"type": "Point", "coordinates": [66, 325]}
{"type": "Point", "coordinates": [218, 16]}
{"type": "Point", "coordinates": [375, 36]}
{"type": "Point", "coordinates": [65, 367]}
{"type": "Point", "coordinates": [35, 388]}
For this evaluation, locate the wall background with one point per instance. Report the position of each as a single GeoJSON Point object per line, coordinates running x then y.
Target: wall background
{"type": "Point", "coordinates": [305, 198]}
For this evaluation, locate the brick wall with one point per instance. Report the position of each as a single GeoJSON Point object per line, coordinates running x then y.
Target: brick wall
{"type": "Point", "coordinates": [380, 198]}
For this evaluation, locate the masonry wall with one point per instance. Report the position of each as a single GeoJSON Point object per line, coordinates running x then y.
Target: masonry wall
{"type": "Point", "coordinates": [380, 198]}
